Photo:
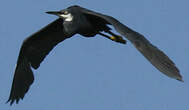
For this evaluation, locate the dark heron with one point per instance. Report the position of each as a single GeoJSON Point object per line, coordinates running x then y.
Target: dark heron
{"type": "Point", "coordinates": [71, 21]}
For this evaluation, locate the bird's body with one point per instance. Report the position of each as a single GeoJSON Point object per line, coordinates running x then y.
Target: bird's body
{"type": "Point", "coordinates": [78, 20]}
{"type": "Point", "coordinates": [86, 26]}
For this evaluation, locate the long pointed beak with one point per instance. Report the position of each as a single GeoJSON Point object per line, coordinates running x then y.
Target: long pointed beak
{"type": "Point", "coordinates": [53, 12]}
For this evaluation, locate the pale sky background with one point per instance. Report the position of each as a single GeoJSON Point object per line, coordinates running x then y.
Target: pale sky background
{"type": "Point", "coordinates": [96, 73]}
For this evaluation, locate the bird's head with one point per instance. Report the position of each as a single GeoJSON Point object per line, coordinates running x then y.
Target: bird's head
{"type": "Point", "coordinates": [64, 14]}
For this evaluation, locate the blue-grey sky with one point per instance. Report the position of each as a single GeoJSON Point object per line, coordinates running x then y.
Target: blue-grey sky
{"type": "Point", "coordinates": [96, 73]}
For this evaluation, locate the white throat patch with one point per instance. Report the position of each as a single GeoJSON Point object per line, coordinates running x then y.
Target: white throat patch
{"type": "Point", "coordinates": [67, 17]}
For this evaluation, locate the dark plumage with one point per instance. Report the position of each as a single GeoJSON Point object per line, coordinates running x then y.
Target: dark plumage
{"type": "Point", "coordinates": [88, 23]}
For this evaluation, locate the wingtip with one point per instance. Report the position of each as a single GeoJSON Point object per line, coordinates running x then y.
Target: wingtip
{"type": "Point", "coordinates": [9, 100]}
{"type": "Point", "coordinates": [180, 78]}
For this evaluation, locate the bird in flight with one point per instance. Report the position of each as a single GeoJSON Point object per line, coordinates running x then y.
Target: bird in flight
{"type": "Point", "coordinates": [78, 20]}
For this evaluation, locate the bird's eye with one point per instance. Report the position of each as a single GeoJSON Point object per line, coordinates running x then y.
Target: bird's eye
{"type": "Point", "coordinates": [65, 12]}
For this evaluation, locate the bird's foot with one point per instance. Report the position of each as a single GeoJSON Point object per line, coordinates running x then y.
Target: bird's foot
{"type": "Point", "coordinates": [118, 39]}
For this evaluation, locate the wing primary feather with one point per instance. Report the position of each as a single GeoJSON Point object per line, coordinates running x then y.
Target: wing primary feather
{"type": "Point", "coordinates": [33, 51]}
{"type": "Point", "coordinates": [156, 57]}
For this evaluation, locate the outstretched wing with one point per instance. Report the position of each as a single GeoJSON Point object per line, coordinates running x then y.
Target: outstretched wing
{"type": "Point", "coordinates": [156, 57]}
{"type": "Point", "coordinates": [33, 51]}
